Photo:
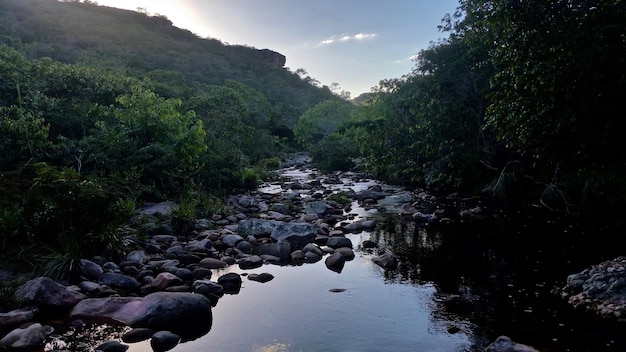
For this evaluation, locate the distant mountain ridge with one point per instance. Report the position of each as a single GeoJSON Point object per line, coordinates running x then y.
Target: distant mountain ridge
{"type": "Point", "coordinates": [74, 31]}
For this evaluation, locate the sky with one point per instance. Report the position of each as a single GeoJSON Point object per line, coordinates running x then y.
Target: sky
{"type": "Point", "coordinates": [355, 43]}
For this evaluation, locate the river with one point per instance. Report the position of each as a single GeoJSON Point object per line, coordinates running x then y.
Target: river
{"type": "Point", "coordinates": [458, 287]}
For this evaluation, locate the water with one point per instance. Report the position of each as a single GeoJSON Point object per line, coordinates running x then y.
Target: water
{"type": "Point", "coordinates": [457, 288]}
{"type": "Point", "coordinates": [297, 311]}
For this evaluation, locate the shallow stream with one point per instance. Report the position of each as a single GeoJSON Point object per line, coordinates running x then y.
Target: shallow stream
{"type": "Point", "coordinates": [458, 287]}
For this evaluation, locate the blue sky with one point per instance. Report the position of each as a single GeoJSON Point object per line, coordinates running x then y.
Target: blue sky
{"type": "Point", "coordinates": [354, 43]}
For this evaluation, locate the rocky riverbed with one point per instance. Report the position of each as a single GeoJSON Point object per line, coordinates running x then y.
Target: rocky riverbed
{"type": "Point", "coordinates": [171, 277]}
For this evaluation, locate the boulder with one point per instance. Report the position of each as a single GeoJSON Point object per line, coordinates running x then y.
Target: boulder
{"type": "Point", "coordinates": [386, 261]}
{"type": "Point", "coordinates": [185, 314]}
{"type": "Point", "coordinates": [262, 277]}
{"type": "Point", "coordinates": [338, 242]}
{"type": "Point", "coordinates": [46, 293]}
{"type": "Point", "coordinates": [30, 338]}
{"type": "Point", "coordinates": [251, 262]}
{"type": "Point", "coordinates": [335, 262]}
{"type": "Point", "coordinates": [231, 283]}
{"type": "Point", "coordinates": [118, 281]}
{"type": "Point", "coordinates": [298, 234]}
{"type": "Point", "coordinates": [89, 269]}
{"type": "Point", "coordinates": [164, 341]}
{"type": "Point", "coordinates": [16, 318]}
{"type": "Point", "coordinates": [257, 227]}
{"type": "Point", "coordinates": [278, 250]}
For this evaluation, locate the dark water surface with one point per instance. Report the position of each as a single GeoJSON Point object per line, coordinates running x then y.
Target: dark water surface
{"type": "Point", "coordinates": [457, 288]}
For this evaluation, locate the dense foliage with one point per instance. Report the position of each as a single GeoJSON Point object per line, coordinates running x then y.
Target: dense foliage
{"type": "Point", "coordinates": [102, 109]}
{"type": "Point", "coordinates": [521, 101]}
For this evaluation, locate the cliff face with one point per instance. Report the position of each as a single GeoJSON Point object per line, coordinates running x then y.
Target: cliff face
{"type": "Point", "coordinates": [272, 58]}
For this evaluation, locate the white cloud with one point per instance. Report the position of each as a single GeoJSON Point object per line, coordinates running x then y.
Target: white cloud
{"type": "Point", "coordinates": [347, 38]}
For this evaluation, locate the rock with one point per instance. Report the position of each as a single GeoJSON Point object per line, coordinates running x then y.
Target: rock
{"type": "Point", "coordinates": [111, 346]}
{"type": "Point", "coordinates": [600, 289]}
{"type": "Point", "coordinates": [30, 338]}
{"type": "Point", "coordinates": [257, 227]}
{"type": "Point", "coordinates": [231, 240]}
{"type": "Point", "coordinates": [165, 280]}
{"type": "Point", "coordinates": [369, 244]}
{"type": "Point", "coordinates": [118, 281]}
{"type": "Point", "coordinates": [212, 263]}
{"type": "Point", "coordinates": [337, 242]}
{"type": "Point", "coordinates": [244, 246]}
{"type": "Point", "coordinates": [137, 257]}
{"type": "Point", "coordinates": [17, 317]}
{"type": "Point", "coordinates": [387, 261]}
{"type": "Point", "coordinates": [137, 335]}
{"type": "Point", "coordinates": [105, 310]}
{"type": "Point", "coordinates": [89, 269]}
{"type": "Point", "coordinates": [46, 293]}
{"type": "Point", "coordinates": [319, 208]}
{"type": "Point", "coordinates": [346, 253]}
{"type": "Point", "coordinates": [231, 283]}
{"type": "Point", "coordinates": [297, 257]}
{"type": "Point", "coordinates": [208, 288]}
{"type": "Point", "coordinates": [91, 288]}
{"type": "Point", "coordinates": [335, 262]}
{"type": "Point", "coordinates": [163, 208]}
{"type": "Point", "coordinates": [298, 234]}
{"type": "Point", "coordinates": [262, 277]}
{"type": "Point", "coordinates": [505, 344]}
{"type": "Point", "coordinates": [185, 314]}
{"type": "Point", "coordinates": [251, 262]}
{"type": "Point", "coordinates": [279, 250]}
{"type": "Point", "coordinates": [164, 341]}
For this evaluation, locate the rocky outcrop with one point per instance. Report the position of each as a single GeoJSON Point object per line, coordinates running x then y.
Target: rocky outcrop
{"type": "Point", "coordinates": [600, 289]}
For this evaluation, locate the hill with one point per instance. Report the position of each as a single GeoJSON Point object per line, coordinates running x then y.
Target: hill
{"type": "Point", "coordinates": [73, 32]}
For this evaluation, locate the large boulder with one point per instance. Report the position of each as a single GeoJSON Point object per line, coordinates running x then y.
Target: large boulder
{"type": "Point", "coordinates": [186, 314]}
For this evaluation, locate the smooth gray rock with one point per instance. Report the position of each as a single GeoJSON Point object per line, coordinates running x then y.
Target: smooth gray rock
{"type": "Point", "coordinates": [89, 269]}
{"type": "Point", "coordinates": [30, 338]}
{"type": "Point", "coordinates": [257, 227]}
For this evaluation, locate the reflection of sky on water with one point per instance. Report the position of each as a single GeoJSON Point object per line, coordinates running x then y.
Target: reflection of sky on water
{"type": "Point", "coordinates": [297, 312]}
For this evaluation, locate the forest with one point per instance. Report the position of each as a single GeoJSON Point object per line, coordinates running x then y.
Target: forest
{"type": "Point", "coordinates": [103, 109]}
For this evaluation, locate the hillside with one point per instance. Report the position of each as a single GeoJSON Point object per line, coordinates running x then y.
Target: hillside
{"type": "Point", "coordinates": [72, 32]}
